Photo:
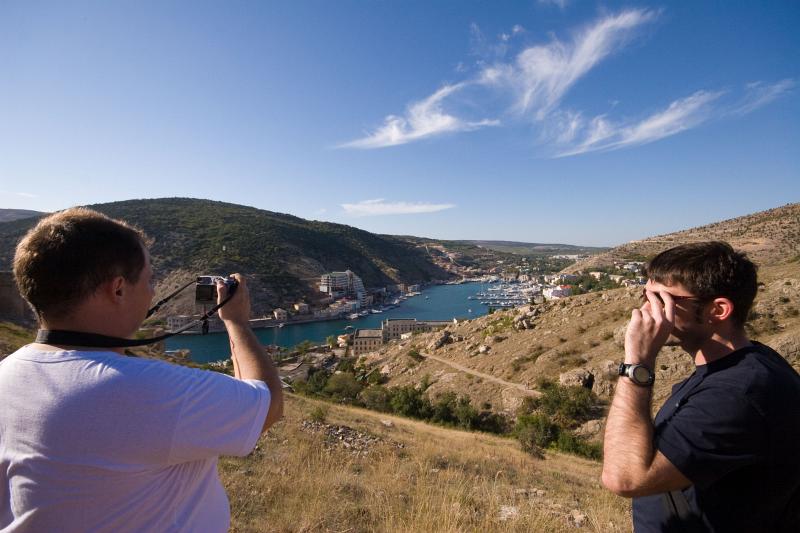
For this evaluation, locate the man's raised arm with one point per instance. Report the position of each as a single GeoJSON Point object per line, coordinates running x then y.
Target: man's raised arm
{"type": "Point", "coordinates": [250, 361]}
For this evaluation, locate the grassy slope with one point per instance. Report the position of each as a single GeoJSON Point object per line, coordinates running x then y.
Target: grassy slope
{"type": "Point", "coordinates": [440, 480]}
{"type": "Point", "coordinates": [12, 337]}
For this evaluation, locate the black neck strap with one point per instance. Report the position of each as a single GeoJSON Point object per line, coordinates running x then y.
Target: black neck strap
{"type": "Point", "coordinates": [60, 337]}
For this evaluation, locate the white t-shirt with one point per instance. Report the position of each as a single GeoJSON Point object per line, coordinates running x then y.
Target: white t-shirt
{"type": "Point", "coordinates": [97, 441]}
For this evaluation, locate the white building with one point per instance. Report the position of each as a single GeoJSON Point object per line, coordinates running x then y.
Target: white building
{"type": "Point", "coordinates": [559, 291]}
{"type": "Point", "coordinates": [338, 284]}
{"type": "Point", "coordinates": [280, 314]}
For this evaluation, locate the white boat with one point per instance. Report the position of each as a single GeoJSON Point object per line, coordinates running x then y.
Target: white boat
{"type": "Point", "coordinates": [352, 316]}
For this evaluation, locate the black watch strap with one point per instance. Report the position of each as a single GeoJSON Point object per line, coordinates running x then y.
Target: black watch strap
{"type": "Point", "coordinates": [637, 373]}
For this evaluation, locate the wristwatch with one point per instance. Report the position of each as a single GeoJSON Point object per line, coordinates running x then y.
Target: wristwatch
{"type": "Point", "coordinates": [639, 374]}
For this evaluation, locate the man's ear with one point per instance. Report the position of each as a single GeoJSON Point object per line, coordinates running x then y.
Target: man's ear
{"type": "Point", "coordinates": [720, 309]}
{"type": "Point", "coordinates": [115, 289]}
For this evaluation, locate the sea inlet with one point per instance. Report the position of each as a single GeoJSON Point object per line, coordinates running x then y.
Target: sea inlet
{"type": "Point", "coordinates": [439, 302]}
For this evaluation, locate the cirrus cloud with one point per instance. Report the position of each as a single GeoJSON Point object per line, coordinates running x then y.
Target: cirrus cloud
{"type": "Point", "coordinates": [425, 118]}
{"type": "Point", "coordinates": [379, 206]}
{"type": "Point", "coordinates": [530, 88]}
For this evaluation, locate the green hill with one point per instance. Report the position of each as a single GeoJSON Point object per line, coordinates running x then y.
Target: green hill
{"type": "Point", "coordinates": [7, 215]}
{"type": "Point", "coordinates": [536, 249]}
{"type": "Point", "coordinates": [282, 255]}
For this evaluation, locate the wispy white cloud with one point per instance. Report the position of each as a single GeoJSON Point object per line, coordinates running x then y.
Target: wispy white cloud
{"type": "Point", "coordinates": [381, 207]}
{"type": "Point", "coordinates": [758, 94]}
{"type": "Point", "coordinates": [17, 193]}
{"type": "Point", "coordinates": [541, 75]}
{"type": "Point", "coordinates": [532, 86]}
{"type": "Point", "coordinates": [600, 134]}
{"type": "Point", "coordinates": [561, 4]}
{"type": "Point", "coordinates": [425, 118]}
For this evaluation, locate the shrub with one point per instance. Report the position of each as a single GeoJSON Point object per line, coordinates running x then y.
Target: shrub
{"type": "Point", "coordinates": [414, 354]}
{"type": "Point", "coordinates": [314, 385]}
{"type": "Point", "coordinates": [318, 414]}
{"type": "Point", "coordinates": [409, 401]}
{"type": "Point", "coordinates": [535, 432]}
{"type": "Point", "coordinates": [567, 405]}
{"type": "Point", "coordinates": [570, 443]}
{"type": "Point", "coordinates": [343, 387]}
{"type": "Point", "coordinates": [347, 364]}
{"type": "Point", "coordinates": [376, 397]}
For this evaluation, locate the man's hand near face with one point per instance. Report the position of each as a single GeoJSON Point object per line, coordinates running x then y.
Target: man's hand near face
{"type": "Point", "coordinates": [632, 466]}
{"type": "Point", "coordinates": [649, 329]}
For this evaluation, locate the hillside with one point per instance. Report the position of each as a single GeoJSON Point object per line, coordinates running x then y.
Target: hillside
{"type": "Point", "coordinates": [283, 255]}
{"type": "Point", "coordinates": [499, 359]}
{"type": "Point", "coordinates": [360, 471]}
{"type": "Point", "coordinates": [536, 249]}
{"type": "Point", "coordinates": [768, 237]}
{"type": "Point", "coordinates": [7, 215]}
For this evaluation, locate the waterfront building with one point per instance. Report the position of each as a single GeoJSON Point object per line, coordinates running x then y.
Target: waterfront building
{"type": "Point", "coordinates": [343, 284]}
{"type": "Point", "coordinates": [559, 291]}
{"type": "Point", "coordinates": [280, 314]}
{"type": "Point", "coordinates": [301, 308]}
{"type": "Point", "coordinates": [394, 328]}
{"type": "Point", "coordinates": [367, 340]}
{"type": "Point", "coordinates": [178, 321]}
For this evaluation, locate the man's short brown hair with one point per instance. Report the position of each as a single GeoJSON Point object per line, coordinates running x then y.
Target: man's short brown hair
{"type": "Point", "coordinates": [709, 270]}
{"type": "Point", "coordinates": [68, 255]}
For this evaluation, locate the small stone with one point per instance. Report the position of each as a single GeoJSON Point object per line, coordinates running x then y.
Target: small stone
{"type": "Point", "coordinates": [578, 518]}
{"type": "Point", "coordinates": [508, 512]}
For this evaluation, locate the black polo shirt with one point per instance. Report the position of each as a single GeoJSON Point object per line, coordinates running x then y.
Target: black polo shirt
{"type": "Point", "coordinates": [733, 429]}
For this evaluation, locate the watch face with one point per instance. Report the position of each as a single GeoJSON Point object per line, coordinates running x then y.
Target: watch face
{"type": "Point", "coordinates": [641, 374]}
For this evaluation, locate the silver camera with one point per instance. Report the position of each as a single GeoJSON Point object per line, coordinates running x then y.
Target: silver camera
{"type": "Point", "coordinates": [205, 289]}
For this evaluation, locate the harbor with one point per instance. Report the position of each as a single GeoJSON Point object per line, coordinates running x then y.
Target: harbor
{"type": "Point", "coordinates": [438, 302]}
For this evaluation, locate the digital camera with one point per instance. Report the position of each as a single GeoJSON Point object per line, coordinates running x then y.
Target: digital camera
{"type": "Point", "coordinates": [205, 289]}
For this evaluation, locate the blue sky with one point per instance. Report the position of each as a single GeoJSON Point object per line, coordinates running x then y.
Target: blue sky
{"type": "Point", "coordinates": [542, 121]}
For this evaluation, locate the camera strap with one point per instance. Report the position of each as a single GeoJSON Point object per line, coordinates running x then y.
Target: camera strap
{"type": "Point", "coordinates": [60, 337]}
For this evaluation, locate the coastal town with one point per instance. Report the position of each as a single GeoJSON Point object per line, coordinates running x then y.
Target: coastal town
{"type": "Point", "coordinates": [342, 295]}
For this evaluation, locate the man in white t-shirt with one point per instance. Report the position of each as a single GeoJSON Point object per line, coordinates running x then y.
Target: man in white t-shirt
{"type": "Point", "coordinates": [93, 440]}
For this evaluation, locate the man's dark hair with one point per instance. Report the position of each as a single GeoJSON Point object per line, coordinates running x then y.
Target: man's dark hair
{"type": "Point", "coordinates": [68, 255]}
{"type": "Point", "coordinates": [709, 270]}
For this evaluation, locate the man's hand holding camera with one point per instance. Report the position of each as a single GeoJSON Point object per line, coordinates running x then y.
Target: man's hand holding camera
{"type": "Point", "coordinates": [237, 310]}
{"type": "Point", "coordinates": [649, 329]}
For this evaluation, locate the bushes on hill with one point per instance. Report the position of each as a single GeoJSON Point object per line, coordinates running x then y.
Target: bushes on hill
{"type": "Point", "coordinates": [544, 422]}
{"type": "Point", "coordinates": [548, 421]}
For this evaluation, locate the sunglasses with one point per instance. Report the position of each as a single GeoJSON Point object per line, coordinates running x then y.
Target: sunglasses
{"type": "Point", "coordinates": [674, 297]}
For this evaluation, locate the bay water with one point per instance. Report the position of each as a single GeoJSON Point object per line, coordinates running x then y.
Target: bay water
{"type": "Point", "coordinates": [438, 302]}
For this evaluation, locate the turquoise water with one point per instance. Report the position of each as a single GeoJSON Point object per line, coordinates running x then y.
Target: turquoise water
{"type": "Point", "coordinates": [444, 302]}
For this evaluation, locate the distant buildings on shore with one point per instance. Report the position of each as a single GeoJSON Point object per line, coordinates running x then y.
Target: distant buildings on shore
{"type": "Point", "coordinates": [369, 340]}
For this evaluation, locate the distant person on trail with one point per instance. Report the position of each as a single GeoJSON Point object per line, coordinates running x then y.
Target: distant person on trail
{"type": "Point", "coordinates": [723, 453]}
{"type": "Point", "coordinates": [94, 440]}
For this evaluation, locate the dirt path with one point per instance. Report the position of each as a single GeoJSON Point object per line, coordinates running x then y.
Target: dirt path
{"type": "Point", "coordinates": [488, 377]}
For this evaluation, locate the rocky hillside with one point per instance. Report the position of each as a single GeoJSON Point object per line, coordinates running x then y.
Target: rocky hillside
{"type": "Point", "coordinates": [500, 359]}
{"type": "Point", "coordinates": [768, 237]}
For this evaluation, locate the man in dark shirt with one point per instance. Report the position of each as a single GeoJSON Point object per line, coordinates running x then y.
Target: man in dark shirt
{"type": "Point", "coordinates": [723, 452]}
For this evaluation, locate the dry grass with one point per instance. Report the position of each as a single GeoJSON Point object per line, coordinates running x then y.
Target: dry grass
{"type": "Point", "coordinates": [440, 480]}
